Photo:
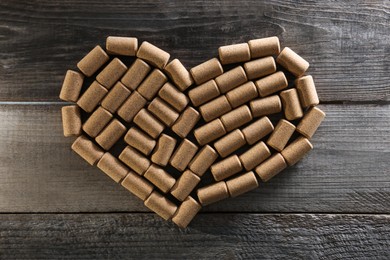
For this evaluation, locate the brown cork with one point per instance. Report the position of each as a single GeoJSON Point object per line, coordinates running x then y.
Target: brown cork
{"type": "Point", "coordinates": [281, 135]}
{"type": "Point", "coordinates": [291, 105]}
{"type": "Point", "coordinates": [135, 74]}
{"type": "Point", "coordinates": [163, 111]}
{"type": "Point", "coordinates": [97, 121]}
{"type": "Point", "coordinates": [164, 150]}
{"type": "Point", "coordinates": [264, 47]}
{"type": "Point", "coordinates": [291, 61]}
{"type": "Point", "coordinates": [173, 97]}
{"type": "Point", "coordinates": [226, 168]}
{"type": "Point", "coordinates": [179, 74]}
{"type": "Point", "coordinates": [137, 185]}
{"type": "Point", "coordinates": [93, 61]}
{"type": "Point", "coordinates": [111, 134]}
{"type": "Point", "coordinates": [209, 132]}
{"type": "Point", "coordinates": [257, 130]}
{"type": "Point", "coordinates": [111, 73]}
{"type": "Point", "coordinates": [114, 168]}
{"type": "Point", "coordinates": [186, 212]}
{"type": "Point", "coordinates": [152, 84]}
{"type": "Point", "coordinates": [133, 104]}
{"type": "Point", "coordinates": [92, 97]}
{"type": "Point", "coordinates": [234, 53]}
{"type": "Point", "coordinates": [265, 106]}
{"type": "Point", "coordinates": [296, 150]}
{"type": "Point", "coordinates": [242, 184]}
{"type": "Point", "coordinates": [271, 84]}
{"type": "Point", "coordinates": [160, 178]}
{"type": "Point", "coordinates": [215, 108]}
{"type": "Point", "coordinates": [230, 143]}
{"type": "Point", "coordinates": [184, 185]}
{"type": "Point", "coordinates": [153, 55]}
{"type": "Point", "coordinates": [242, 94]}
{"type": "Point", "coordinates": [71, 87]}
{"type": "Point", "coordinates": [87, 150]}
{"type": "Point", "coordinates": [206, 71]}
{"type": "Point", "coordinates": [160, 205]}
{"type": "Point", "coordinates": [203, 160]}
{"type": "Point", "coordinates": [254, 156]}
{"type": "Point", "coordinates": [71, 120]}
{"type": "Point", "coordinates": [203, 93]}
{"type": "Point", "coordinates": [115, 97]}
{"type": "Point", "coordinates": [271, 167]}
{"type": "Point", "coordinates": [259, 68]}
{"type": "Point", "coordinates": [310, 122]}
{"type": "Point", "coordinates": [213, 193]}
{"type": "Point", "coordinates": [186, 122]}
{"type": "Point", "coordinates": [126, 46]}
{"type": "Point", "coordinates": [136, 161]}
{"type": "Point", "coordinates": [307, 91]}
{"type": "Point", "coordinates": [236, 118]}
{"type": "Point", "coordinates": [137, 139]}
{"type": "Point", "coordinates": [231, 79]}
{"type": "Point", "coordinates": [183, 155]}
{"type": "Point", "coordinates": [147, 122]}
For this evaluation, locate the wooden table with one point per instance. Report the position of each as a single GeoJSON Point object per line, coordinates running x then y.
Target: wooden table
{"type": "Point", "coordinates": [334, 204]}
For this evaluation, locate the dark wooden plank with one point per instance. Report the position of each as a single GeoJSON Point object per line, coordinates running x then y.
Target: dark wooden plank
{"type": "Point", "coordinates": [347, 44]}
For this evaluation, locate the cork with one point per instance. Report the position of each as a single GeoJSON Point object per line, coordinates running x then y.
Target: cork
{"type": "Point", "coordinates": [183, 155]}
{"type": "Point", "coordinates": [242, 94]}
{"type": "Point", "coordinates": [114, 168]}
{"type": "Point", "coordinates": [186, 212]}
{"type": "Point", "coordinates": [115, 97]}
{"type": "Point", "coordinates": [310, 122]}
{"type": "Point", "coordinates": [281, 135]}
{"type": "Point", "coordinates": [296, 150]}
{"type": "Point", "coordinates": [203, 160]}
{"type": "Point", "coordinates": [209, 132]}
{"type": "Point", "coordinates": [259, 68]}
{"type": "Point", "coordinates": [213, 193]}
{"type": "Point", "coordinates": [111, 73]}
{"type": "Point", "coordinates": [139, 140]}
{"type": "Point", "coordinates": [186, 122]}
{"type": "Point", "coordinates": [291, 61]}
{"type": "Point", "coordinates": [254, 156]}
{"type": "Point", "coordinates": [153, 55]}
{"type": "Point", "coordinates": [163, 111]}
{"type": "Point", "coordinates": [291, 105]}
{"type": "Point", "coordinates": [91, 62]}
{"type": "Point", "coordinates": [92, 97]}
{"type": "Point", "coordinates": [87, 150]}
{"type": "Point", "coordinates": [152, 84]}
{"type": "Point", "coordinates": [307, 91]}
{"type": "Point", "coordinates": [215, 108]}
{"type": "Point", "coordinates": [264, 47]}
{"type": "Point", "coordinates": [71, 120]}
{"type": "Point", "coordinates": [230, 143]}
{"type": "Point", "coordinates": [137, 185]}
{"type": "Point", "coordinates": [242, 184]}
{"type": "Point", "coordinates": [271, 84]}
{"type": "Point", "coordinates": [234, 53]}
{"type": "Point", "coordinates": [160, 205]}
{"type": "Point", "coordinates": [136, 161]}
{"type": "Point", "coordinates": [271, 167]}
{"type": "Point", "coordinates": [71, 87]}
{"type": "Point", "coordinates": [231, 79]}
{"type": "Point", "coordinates": [133, 104]}
{"type": "Point", "coordinates": [206, 71]}
{"type": "Point", "coordinates": [226, 168]}
{"type": "Point", "coordinates": [179, 74]}
{"type": "Point", "coordinates": [173, 97]}
{"type": "Point", "coordinates": [164, 150]}
{"type": "Point", "coordinates": [203, 93]}
{"type": "Point", "coordinates": [265, 106]}
{"type": "Point", "coordinates": [184, 185]}
{"type": "Point", "coordinates": [110, 134]}
{"type": "Point", "coordinates": [97, 121]}
{"type": "Point", "coordinates": [257, 130]}
{"type": "Point", "coordinates": [160, 178]}
{"type": "Point", "coordinates": [136, 74]}
{"type": "Point", "coordinates": [236, 118]}
{"type": "Point", "coordinates": [126, 46]}
{"type": "Point", "coordinates": [149, 123]}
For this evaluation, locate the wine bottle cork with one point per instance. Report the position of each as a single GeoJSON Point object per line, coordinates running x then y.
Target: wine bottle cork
{"type": "Point", "coordinates": [242, 94]}
{"type": "Point", "coordinates": [310, 122]}
{"type": "Point", "coordinates": [97, 121]}
{"type": "Point", "coordinates": [111, 73]}
{"type": "Point", "coordinates": [173, 97]}
{"type": "Point", "coordinates": [291, 61]}
{"type": "Point", "coordinates": [242, 184]}
{"type": "Point", "coordinates": [203, 160]}
{"type": "Point", "coordinates": [234, 53]}
{"type": "Point", "coordinates": [91, 62]}
{"type": "Point", "coordinates": [231, 79]}
{"type": "Point", "coordinates": [257, 130]}
{"type": "Point", "coordinates": [254, 156]}
{"type": "Point", "coordinates": [212, 193]}
{"type": "Point", "coordinates": [215, 108]}
{"type": "Point", "coordinates": [230, 143]}
{"type": "Point", "coordinates": [264, 47]}
{"type": "Point", "coordinates": [152, 84]}
{"type": "Point", "coordinates": [115, 97]}
{"type": "Point", "coordinates": [179, 74]}
{"type": "Point", "coordinates": [281, 135]}
{"type": "Point", "coordinates": [160, 205]}
{"type": "Point", "coordinates": [236, 118]}
{"type": "Point", "coordinates": [186, 212]}
{"type": "Point", "coordinates": [186, 122]}
{"type": "Point", "coordinates": [271, 167]}
{"type": "Point", "coordinates": [136, 74]}
{"type": "Point", "coordinates": [203, 93]}
{"type": "Point", "coordinates": [153, 55]}
{"type": "Point", "coordinates": [184, 185]}
{"type": "Point", "coordinates": [111, 134]}
{"type": "Point", "coordinates": [259, 68]}
{"type": "Point", "coordinates": [164, 150]}
{"type": "Point", "coordinates": [71, 87]}
{"type": "Point", "coordinates": [183, 155]}
{"type": "Point", "coordinates": [126, 46]}
{"type": "Point", "coordinates": [209, 132]}
{"type": "Point", "coordinates": [133, 104]}
{"type": "Point", "coordinates": [136, 161]}
{"type": "Point", "coordinates": [137, 185]}
{"type": "Point", "coordinates": [206, 71]}
{"type": "Point", "coordinates": [92, 97]}
{"type": "Point", "coordinates": [137, 139]}
{"type": "Point", "coordinates": [226, 168]}
{"type": "Point", "coordinates": [71, 120]}
{"type": "Point", "coordinates": [160, 178]}
{"type": "Point", "coordinates": [307, 91]}
{"type": "Point", "coordinates": [111, 166]}
{"type": "Point", "coordinates": [265, 106]}
{"type": "Point", "coordinates": [296, 150]}
{"type": "Point", "coordinates": [87, 150]}
{"type": "Point", "coordinates": [163, 111]}
{"type": "Point", "coordinates": [271, 84]}
{"type": "Point", "coordinates": [291, 105]}
{"type": "Point", "coordinates": [149, 123]}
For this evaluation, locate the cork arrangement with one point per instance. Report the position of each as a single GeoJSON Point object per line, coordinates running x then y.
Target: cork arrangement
{"type": "Point", "coordinates": [161, 131]}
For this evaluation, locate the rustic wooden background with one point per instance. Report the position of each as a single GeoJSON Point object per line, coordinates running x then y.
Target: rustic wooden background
{"type": "Point", "coordinates": [334, 204]}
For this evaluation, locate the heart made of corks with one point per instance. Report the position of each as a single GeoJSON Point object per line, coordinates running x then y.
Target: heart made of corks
{"type": "Point", "coordinates": [157, 128]}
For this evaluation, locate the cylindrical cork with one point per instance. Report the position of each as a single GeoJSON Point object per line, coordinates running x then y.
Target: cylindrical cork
{"type": "Point", "coordinates": [140, 141]}
{"type": "Point", "coordinates": [203, 93]}
{"type": "Point", "coordinates": [136, 161]}
{"type": "Point", "coordinates": [184, 185]}
{"type": "Point", "coordinates": [111, 134]}
{"type": "Point", "coordinates": [234, 53]}
{"type": "Point", "coordinates": [209, 132]}
{"type": "Point", "coordinates": [292, 62]}
{"type": "Point", "coordinates": [203, 160]}
{"type": "Point", "coordinates": [183, 155]}
{"type": "Point", "coordinates": [271, 167]}
{"type": "Point", "coordinates": [236, 118]}
{"type": "Point", "coordinates": [136, 74]}
{"type": "Point", "coordinates": [310, 122]}
{"type": "Point", "coordinates": [307, 91]}
{"type": "Point", "coordinates": [215, 108]}
{"type": "Point", "coordinates": [115, 98]}
{"type": "Point", "coordinates": [92, 97]}
{"type": "Point", "coordinates": [264, 47]}
{"type": "Point", "coordinates": [186, 212]}
{"type": "Point", "coordinates": [87, 150]}
{"type": "Point", "coordinates": [93, 61]}
{"type": "Point", "coordinates": [137, 185]}
{"type": "Point", "coordinates": [152, 84]}
{"type": "Point", "coordinates": [111, 166]}
{"type": "Point", "coordinates": [271, 84]}
{"type": "Point", "coordinates": [230, 143]}
{"type": "Point", "coordinates": [280, 136]}
{"type": "Point", "coordinates": [179, 74]}
{"type": "Point", "coordinates": [213, 193]}
{"type": "Point", "coordinates": [126, 46]}
{"type": "Point", "coordinates": [259, 68]}
{"type": "Point", "coordinates": [111, 73]}
{"type": "Point", "coordinates": [70, 90]}
{"type": "Point", "coordinates": [257, 130]}
{"type": "Point", "coordinates": [242, 94]}
{"type": "Point", "coordinates": [164, 150]}
{"type": "Point", "coordinates": [71, 120]}
{"type": "Point", "coordinates": [163, 111]}
{"type": "Point", "coordinates": [160, 205]}
{"type": "Point", "coordinates": [226, 168]}
{"type": "Point", "coordinates": [133, 104]}
{"type": "Point", "coordinates": [291, 105]}
{"type": "Point", "coordinates": [153, 55]}
{"type": "Point", "coordinates": [147, 122]}
{"type": "Point", "coordinates": [160, 178]}
{"type": "Point", "coordinates": [266, 106]}
{"type": "Point", "coordinates": [173, 97]}
{"type": "Point", "coordinates": [254, 156]}
{"type": "Point", "coordinates": [296, 150]}
{"type": "Point", "coordinates": [97, 121]}
{"type": "Point", "coordinates": [186, 122]}
{"type": "Point", "coordinates": [231, 79]}
{"type": "Point", "coordinates": [206, 71]}
{"type": "Point", "coordinates": [242, 184]}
